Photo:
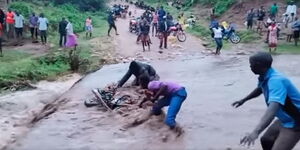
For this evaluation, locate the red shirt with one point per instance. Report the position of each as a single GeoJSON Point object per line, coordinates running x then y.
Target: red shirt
{"type": "Point", "coordinates": [10, 17]}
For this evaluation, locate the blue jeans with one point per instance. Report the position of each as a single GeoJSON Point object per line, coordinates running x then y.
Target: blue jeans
{"type": "Point", "coordinates": [174, 102]}
{"type": "Point", "coordinates": [219, 42]}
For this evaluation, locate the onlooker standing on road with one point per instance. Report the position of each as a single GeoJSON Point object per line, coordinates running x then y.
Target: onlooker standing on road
{"type": "Point", "coordinates": [71, 37]}
{"type": "Point", "coordinates": [163, 33]}
{"type": "Point", "coordinates": [10, 23]}
{"type": "Point", "coordinates": [296, 28]}
{"type": "Point", "coordinates": [273, 36]}
{"type": "Point", "coordinates": [19, 24]}
{"type": "Point", "coordinates": [43, 27]}
{"type": "Point", "coordinates": [260, 18]}
{"type": "Point", "coordinates": [33, 22]}
{"type": "Point", "coordinates": [154, 24]}
{"type": "Point", "coordinates": [218, 31]}
{"type": "Point", "coordinates": [250, 17]}
{"type": "Point", "coordinates": [62, 32]}
{"type": "Point", "coordinates": [161, 13]}
{"type": "Point", "coordinates": [274, 11]}
{"type": "Point", "coordinates": [88, 27]}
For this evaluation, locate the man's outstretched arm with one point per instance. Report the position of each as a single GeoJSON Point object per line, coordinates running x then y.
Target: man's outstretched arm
{"type": "Point", "coordinates": [263, 124]}
{"type": "Point", "coordinates": [255, 93]}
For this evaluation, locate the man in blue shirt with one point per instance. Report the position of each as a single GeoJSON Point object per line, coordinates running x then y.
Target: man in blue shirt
{"type": "Point", "coordinates": [283, 101]}
{"type": "Point", "coordinates": [161, 13]}
{"type": "Point", "coordinates": [111, 22]}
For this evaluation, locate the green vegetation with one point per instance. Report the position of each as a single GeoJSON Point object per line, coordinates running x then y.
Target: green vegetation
{"type": "Point", "coordinates": [55, 13]}
{"type": "Point", "coordinates": [220, 6]}
{"type": "Point", "coordinates": [249, 36]}
{"type": "Point", "coordinates": [19, 67]}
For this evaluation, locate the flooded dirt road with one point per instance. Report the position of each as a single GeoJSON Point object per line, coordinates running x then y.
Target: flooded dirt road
{"type": "Point", "coordinates": [19, 108]}
{"type": "Point", "coordinates": [209, 121]}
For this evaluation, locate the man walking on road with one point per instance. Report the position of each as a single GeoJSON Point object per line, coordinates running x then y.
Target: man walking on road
{"type": "Point", "coordinates": [62, 32]}
{"type": "Point", "coordinates": [111, 22]}
{"type": "Point", "coordinates": [283, 101]}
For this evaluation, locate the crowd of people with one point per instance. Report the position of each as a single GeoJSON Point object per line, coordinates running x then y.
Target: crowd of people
{"type": "Point", "coordinates": [156, 21]}
{"type": "Point", "coordinates": [288, 24]}
{"type": "Point", "coordinates": [13, 24]}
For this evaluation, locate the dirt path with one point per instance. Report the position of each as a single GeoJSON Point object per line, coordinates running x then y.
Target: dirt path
{"type": "Point", "coordinates": [127, 49]}
{"type": "Point", "coordinates": [210, 123]}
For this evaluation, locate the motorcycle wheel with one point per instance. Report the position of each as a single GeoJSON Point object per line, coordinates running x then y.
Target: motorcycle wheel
{"type": "Point", "coordinates": [235, 39]}
{"type": "Point", "coordinates": [181, 37]}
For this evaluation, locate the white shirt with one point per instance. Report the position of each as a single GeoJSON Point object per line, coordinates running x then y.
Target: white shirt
{"type": "Point", "coordinates": [69, 29]}
{"type": "Point", "coordinates": [291, 9]}
{"type": "Point", "coordinates": [19, 21]}
{"type": "Point", "coordinates": [218, 32]}
{"type": "Point", "coordinates": [43, 24]}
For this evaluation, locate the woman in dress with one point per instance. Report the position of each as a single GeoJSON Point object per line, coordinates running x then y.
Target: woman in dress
{"type": "Point", "coordinates": [273, 36]}
{"type": "Point", "coordinates": [71, 37]}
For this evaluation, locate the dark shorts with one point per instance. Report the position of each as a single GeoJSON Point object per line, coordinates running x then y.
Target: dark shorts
{"type": "Point", "coordinates": [43, 33]}
{"type": "Point", "coordinates": [19, 30]}
{"type": "Point", "coordinates": [250, 23]}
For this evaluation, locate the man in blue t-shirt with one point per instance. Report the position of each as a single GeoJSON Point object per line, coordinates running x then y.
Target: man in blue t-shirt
{"type": "Point", "coordinates": [283, 101]}
{"type": "Point", "coordinates": [161, 13]}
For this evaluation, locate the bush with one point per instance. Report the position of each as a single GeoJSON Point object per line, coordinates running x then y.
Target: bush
{"type": "Point", "coordinates": [85, 5]}
{"type": "Point", "coordinates": [22, 7]}
{"type": "Point", "coordinates": [248, 36]}
{"type": "Point", "coordinates": [54, 14]}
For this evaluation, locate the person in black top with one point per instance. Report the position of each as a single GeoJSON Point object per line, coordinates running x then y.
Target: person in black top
{"type": "Point", "coordinates": [260, 18]}
{"type": "Point", "coordinates": [2, 17]}
{"type": "Point", "coordinates": [163, 30]}
{"type": "Point", "coordinates": [250, 17]}
{"type": "Point", "coordinates": [138, 69]}
{"type": "Point", "coordinates": [111, 22]}
{"type": "Point", "coordinates": [62, 31]}
{"type": "Point", "coordinates": [145, 38]}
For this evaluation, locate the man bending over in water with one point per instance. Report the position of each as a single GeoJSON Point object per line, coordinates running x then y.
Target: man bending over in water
{"type": "Point", "coordinates": [283, 101]}
{"type": "Point", "coordinates": [173, 95]}
{"type": "Point", "coordinates": [137, 69]}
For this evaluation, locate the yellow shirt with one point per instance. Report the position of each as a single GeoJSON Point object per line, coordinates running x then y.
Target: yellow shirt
{"type": "Point", "coordinates": [225, 24]}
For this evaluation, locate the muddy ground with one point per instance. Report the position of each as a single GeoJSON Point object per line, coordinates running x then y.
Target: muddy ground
{"type": "Point", "coordinates": [209, 121]}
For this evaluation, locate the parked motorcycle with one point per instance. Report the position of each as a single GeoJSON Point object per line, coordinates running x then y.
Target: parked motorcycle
{"type": "Point", "coordinates": [178, 31]}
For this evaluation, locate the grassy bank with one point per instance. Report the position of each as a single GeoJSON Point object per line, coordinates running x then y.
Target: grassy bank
{"type": "Point", "coordinates": [19, 67]}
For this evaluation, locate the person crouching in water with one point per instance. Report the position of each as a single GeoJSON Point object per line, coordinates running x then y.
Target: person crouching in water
{"type": "Point", "coordinates": [145, 38]}
{"type": "Point", "coordinates": [173, 95]}
{"type": "Point", "coordinates": [138, 69]}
